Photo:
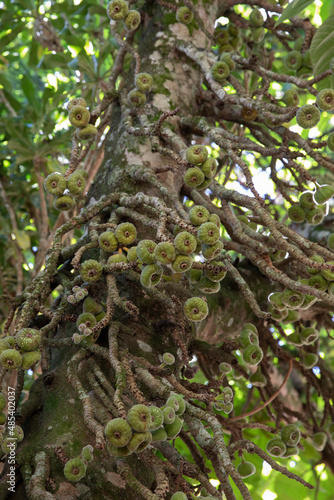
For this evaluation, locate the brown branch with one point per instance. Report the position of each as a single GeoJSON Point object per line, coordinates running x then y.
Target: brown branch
{"type": "Point", "coordinates": [256, 410]}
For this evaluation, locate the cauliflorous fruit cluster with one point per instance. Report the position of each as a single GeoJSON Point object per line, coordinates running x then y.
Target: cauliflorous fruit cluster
{"type": "Point", "coordinates": [143, 425]}
{"type": "Point", "coordinates": [312, 206]}
{"type": "Point", "coordinates": [179, 256]}
{"type": "Point", "coordinates": [167, 360]}
{"type": "Point", "coordinates": [179, 495]}
{"type": "Point", "coordinates": [118, 10]}
{"type": "Point", "coordinates": [143, 83]}
{"type": "Point", "coordinates": [291, 97]}
{"type": "Point", "coordinates": [252, 353]}
{"type": "Point", "coordinates": [228, 39]}
{"type": "Point", "coordinates": [66, 191]}
{"type": "Point", "coordinates": [293, 60]}
{"type": "Point", "coordinates": [78, 295]}
{"type": "Point", "coordinates": [309, 359]}
{"type": "Point", "coordinates": [298, 63]}
{"type": "Point", "coordinates": [9, 438]}
{"type": "Point", "coordinates": [220, 71]}
{"type": "Point", "coordinates": [330, 242]}
{"type": "Point", "coordinates": [306, 336]}
{"type": "Point", "coordinates": [196, 309]}
{"type": "Point", "coordinates": [246, 469]}
{"type": "Point", "coordinates": [154, 258]}
{"type": "Point", "coordinates": [325, 100]}
{"type": "Point", "coordinates": [257, 30]}
{"type": "Point", "coordinates": [284, 306]}
{"type": "Point", "coordinates": [204, 168]}
{"type": "Point", "coordinates": [319, 440]}
{"type": "Point", "coordinates": [285, 446]}
{"type": "Point", "coordinates": [281, 303]}
{"type": "Point", "coordinates": [75, 468]}
{"type": "Point", "coordinates": [330, 141]}
{"type": "Point", "coordinates": [308, 116]}
{"type": "Point", "coordinates": [92, 313]}
{"type": "Point", "coordinates": [79, 117]}
{"type": "Point", "coordinates": [184, 15]}
{"type": "Point", "coordinates": [224, 400]}
{"type": "Point", "coordinates": [91, 270]}
{"type": "Point", "coordinates": [20, 351]}
{"type": "Point", "coordinates": [257, 379]}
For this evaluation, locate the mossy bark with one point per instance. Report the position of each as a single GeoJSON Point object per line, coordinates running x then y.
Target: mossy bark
{"type": "Point", "coordinates": [53, 416]}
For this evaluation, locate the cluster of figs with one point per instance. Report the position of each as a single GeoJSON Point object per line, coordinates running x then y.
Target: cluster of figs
{"type": "Point", "coordinates": [143, 425]}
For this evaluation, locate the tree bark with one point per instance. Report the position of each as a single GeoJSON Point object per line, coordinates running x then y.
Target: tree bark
{"type": "Point", "coordinates": [81, 388]}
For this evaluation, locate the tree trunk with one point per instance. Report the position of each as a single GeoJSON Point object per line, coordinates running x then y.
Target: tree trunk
{"type": "Point", "coordinates": [53, 416]}
{"type": "Point", "coordinates": [74, 397]}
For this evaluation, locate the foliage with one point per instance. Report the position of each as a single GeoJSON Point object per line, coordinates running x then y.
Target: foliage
{"type": "Point", "coordinates": [294, 8]}
{"type": "Point", "coordinates": [131, 299]}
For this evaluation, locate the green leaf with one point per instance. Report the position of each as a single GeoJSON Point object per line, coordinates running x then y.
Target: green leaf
{"type": "Point", "coordinates": [35, 53]}
{"type": "Point", "coordinates": [97, 9]}
{"type": "Point", "coordinates": [30, 91]}
{"type": "Point", "coordinates": [27, 4]}
{"type": "Point", "coordinates": [14, 102]}
{"type": "Point", "coordinates": [9, 37]}
{"type": "Point", "coordinates": [85, 63]}
{"type": "Point", "coordinates": [51, 61]}
{"type": "Point", "coordinates": [73, 41]}
{"type": "Point", "coordinates": [322, 50]}
{"type": "Point", "coordinates": [105, 52]}
{"type": "Point", "coordinates": [293, 9]}
{"type": "Point", "coordinates": [327, 10]}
